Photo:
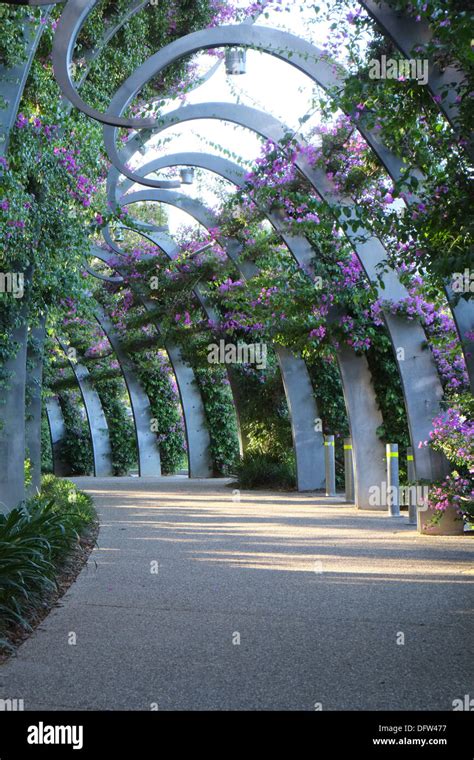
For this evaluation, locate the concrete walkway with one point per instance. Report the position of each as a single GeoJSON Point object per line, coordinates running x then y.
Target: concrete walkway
{"type": "Point", "coordinates": [317, 594]}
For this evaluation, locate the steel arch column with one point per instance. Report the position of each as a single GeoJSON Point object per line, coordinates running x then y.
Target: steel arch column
{"type": "Point", "coordinates": [364, 418]}
{"type": "Point", "coordinates": [12, 410]}
{"type": "Point", "coordinates": [57, 430]}
{"type": "Point", "coordinates": [149, 463]}
{"type": "Point", "coordinates": [98, 428]}
{"type": "Point", "coordinates": [34, 379]}
{"type": "Point", "coordinates": [197, 433]}
{"type": "Point", "coordinates": [12, 433]}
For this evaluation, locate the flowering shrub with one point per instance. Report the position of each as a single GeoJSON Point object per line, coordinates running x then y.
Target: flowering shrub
{"type": "Point", "coordinates": [453, 433]}
{"type": "Point", "coordinates": [440, 328]}
{"type": "Point", "coordinates": [220, 414]}
{"type": "Point", "coordinates": [454, 491]}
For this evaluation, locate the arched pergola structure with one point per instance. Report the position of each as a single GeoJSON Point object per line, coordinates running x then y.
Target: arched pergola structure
{"type": "Point", "coordinates": [312, 62]}
{"type": "Point", "coordinates": [421, 385]}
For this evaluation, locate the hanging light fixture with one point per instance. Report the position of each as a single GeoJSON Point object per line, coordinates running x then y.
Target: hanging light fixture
{"type": "Point", "coordinates": [119, 235]}
{"type": "Point", "coordinates": [235, 61]}
{"type": "Point", "coordinates": [143, 137]}
{"type": "Point", "coordinates": [187, 175]}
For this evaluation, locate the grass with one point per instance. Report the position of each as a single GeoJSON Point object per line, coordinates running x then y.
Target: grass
{"type": "Point", "coordinates": [259, 470]}
{"type": "Point", "coordinates": [35, 539]}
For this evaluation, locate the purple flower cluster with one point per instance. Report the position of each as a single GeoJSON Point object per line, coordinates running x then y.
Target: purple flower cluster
{"type": "Point", "coordinates": [454, 491]}
{"type": "Point", "coordinates": [453, 434]}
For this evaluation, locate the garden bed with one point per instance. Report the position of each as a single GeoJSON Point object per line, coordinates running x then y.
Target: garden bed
{"type": "Point", "coordinates": [44, 544]}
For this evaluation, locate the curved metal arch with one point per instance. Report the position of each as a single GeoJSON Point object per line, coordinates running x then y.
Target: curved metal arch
{"type": "Point", "coordinates": [98, 428]}
{"type": "Point", "coordinates": [421, 385]}
{"type": "Point", "coordinates": [103, 277]}
{"type": "Point", "coordinates": [299, 53]}
{"type": "Point", "coordinates": [90, 55]}
{"type": "Point", "coordinates": [407, 35]}
{"type": "Point", "coordinates": [57, 431]}
{"type": "Point", "coordinates": [149, 463]}
{"type": "Point", "coordinates": [197, 434]}
{"type": "Point", "coordinates": [193, 406]}
{"type": "Point", "coordinates": [169, 247]}
{"type": "Point", "coordinates": [71, 22]}
{"type": "Point", "coordinates": [308, 443]}
{"type": "Point", "coordinates": [67, 31]}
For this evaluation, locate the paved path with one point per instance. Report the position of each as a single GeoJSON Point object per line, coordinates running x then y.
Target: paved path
{"type": "Point", "coordinates": [317, 593]}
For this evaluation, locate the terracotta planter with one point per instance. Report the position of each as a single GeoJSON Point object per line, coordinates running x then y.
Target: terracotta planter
{"type": "Point", "coordinates": [450, 524]}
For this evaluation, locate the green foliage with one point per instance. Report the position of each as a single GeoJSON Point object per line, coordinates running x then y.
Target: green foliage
{"type": "Point", "coordinates": [263, 470]}
{"type": "Point", "coordinates": [221, 420]}
{"type": "Point", "coordinates": [76, 448]}
{"type": "Point", "coordinates": [46, 448]}
{"type": "Point", "coordinates": [263, 411]}
{"type": "Point", "coordinates": [12, 21]}
{"type": "Point", "coordinates": [159, 383]}
{"type": "Point", "coordinates": [28, 472]}
{"type": "Point", "coordinates": [120, 424]}
{"type": "Point", "coordinates": [35, 538]}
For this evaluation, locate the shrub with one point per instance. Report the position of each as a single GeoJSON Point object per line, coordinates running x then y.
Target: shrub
{"type": "Point", "coordinates": [453, 491]}
{"type": "Point", "coordinates": [46, 449]}
{"type": "Point", "coordinates": [35, 538]}
{"type": "Point", "coordinates": [258, 470]}
{"type": "Point", "coordinates": [453, 432]}
{"type": "Point", "coordinates": [75, 507]}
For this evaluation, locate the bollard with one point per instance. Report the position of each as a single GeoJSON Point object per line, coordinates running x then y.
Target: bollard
{"type": "Point", "coordinates": [411, 477]}
{"type": "Point", "coordinates": [330, 458]}
{"type": "Point", "coordinates": [393, 481]}
{"type": "Point", "coordinates": [349, 470]}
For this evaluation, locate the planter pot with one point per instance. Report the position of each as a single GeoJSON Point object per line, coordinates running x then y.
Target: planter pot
{"type": "Point", "coordinates": [451, 523]}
